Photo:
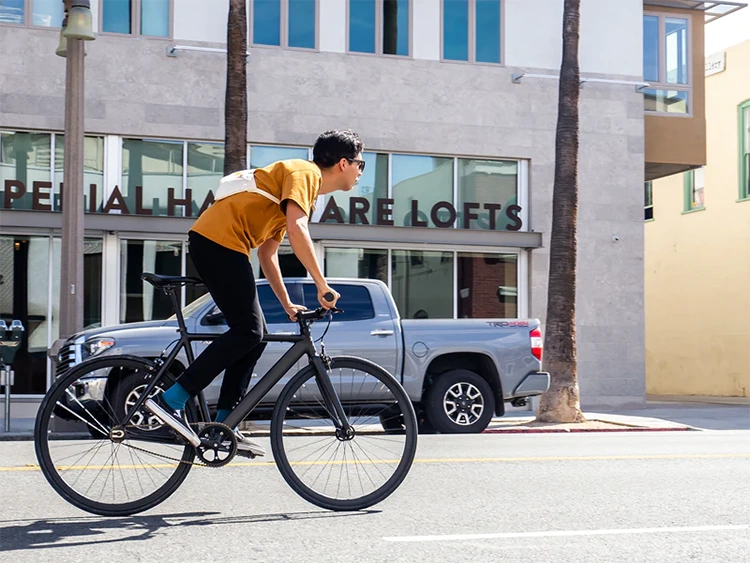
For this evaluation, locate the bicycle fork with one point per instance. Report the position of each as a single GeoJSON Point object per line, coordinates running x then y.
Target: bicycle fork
{"type": "Point", "coordinates": [344, 430]}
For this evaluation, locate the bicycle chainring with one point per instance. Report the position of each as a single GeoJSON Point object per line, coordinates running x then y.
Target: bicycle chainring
{"type": "Point", "coordinates": [218, 444]}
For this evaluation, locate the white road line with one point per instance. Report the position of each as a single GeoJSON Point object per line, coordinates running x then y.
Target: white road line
{"type": "Point", "coordinates": [566, 533]}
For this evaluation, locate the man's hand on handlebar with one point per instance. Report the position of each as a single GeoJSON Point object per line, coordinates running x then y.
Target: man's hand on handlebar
{"type": "Point", "coordinates": [327, 296]}
{"type": "Point", "coordinates": [291, 310]}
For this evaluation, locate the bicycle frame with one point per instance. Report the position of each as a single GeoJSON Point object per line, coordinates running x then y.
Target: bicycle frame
{"type": "Point", "coordinates": [302, 345]}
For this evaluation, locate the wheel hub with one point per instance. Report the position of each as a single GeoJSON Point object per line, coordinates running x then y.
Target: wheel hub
{"type": "Point", "coordinates": [345, 436]}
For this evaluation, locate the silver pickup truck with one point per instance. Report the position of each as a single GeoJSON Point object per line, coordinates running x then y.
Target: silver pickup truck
{"type": "Point", "coordinates": [458, 372]}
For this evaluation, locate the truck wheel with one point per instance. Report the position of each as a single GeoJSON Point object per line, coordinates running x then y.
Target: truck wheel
{"type": "Point", "coordinates": [459, 401]}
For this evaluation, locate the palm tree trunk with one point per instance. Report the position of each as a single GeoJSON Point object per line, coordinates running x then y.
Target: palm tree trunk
{"type": "Point", "coordinates": [235, 105]}
{"type": "Point", "coordinates": [562, 402]}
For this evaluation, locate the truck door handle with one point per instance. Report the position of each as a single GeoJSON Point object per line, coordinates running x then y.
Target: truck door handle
{"type": "Point", "coordinates": [381, 332]}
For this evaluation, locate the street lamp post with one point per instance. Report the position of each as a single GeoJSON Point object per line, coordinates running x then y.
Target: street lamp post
{"type": "Point", "coordinates": [77, 27]}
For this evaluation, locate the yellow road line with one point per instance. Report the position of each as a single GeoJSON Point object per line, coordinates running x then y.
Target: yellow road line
{"type": "Point", "coordinates": [34, 467]}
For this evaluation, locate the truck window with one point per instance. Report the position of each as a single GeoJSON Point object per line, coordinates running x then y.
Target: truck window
{"type": "Point", "coordinates": [355, 301]}
{"type": "Point", "coordinates": [272, 309]}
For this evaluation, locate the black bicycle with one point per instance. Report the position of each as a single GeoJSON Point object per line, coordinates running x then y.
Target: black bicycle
{"type": "Point", "coordinates": [343, 431]}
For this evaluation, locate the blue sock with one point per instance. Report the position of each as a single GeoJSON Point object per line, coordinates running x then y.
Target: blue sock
{"type": "Point", "coordinates": [176, 397]}
{"type": "Point", "coordinates": [222, 414]}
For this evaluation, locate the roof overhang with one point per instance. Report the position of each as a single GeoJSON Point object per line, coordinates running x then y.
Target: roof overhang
{"type": "Point", "coordinates": [713, 9]}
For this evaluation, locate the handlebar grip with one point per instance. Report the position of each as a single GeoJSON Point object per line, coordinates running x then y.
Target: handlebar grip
{"type": "Point", "coordinates": [328, 297]}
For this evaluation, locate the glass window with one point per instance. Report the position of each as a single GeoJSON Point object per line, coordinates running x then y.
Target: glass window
{"type": "Point", "coordinates": [487, 286]}
{"type": "Point", "coordinates": [488, 31]}
{"type": "Point", "coordinates": [396, 27]}
{"type": "Point", "coordinates": [422, 191]}
{"type": "Point", "coordinates": [261, 156]}
{"type": "Point", "coordinates": [267, 22]}
{"type": "Point", "coordinates": [93, 172]}
{"type": "Point", "coordinates": [422, 284]}
{"type": "Point", "coordinates": [25, 165]}
{"type": "Point", "coordinates": [676, 50]}
{"type": "Point", "coordinates": [140, 301]}
{"type": "Point", "coordinates": [456, 30]}
{"type": "Point", "coordinates": [651, 48]}
{"type": "Point", "coordinates": [46, 13]}
{"type": "Point", "coordinates": [649, 200]}
{"type": "Point", "coordinates": [487, 190]}
{"type": "Point", "coordinates": [205, 162]}
{"type": "Point", "coordinates": [12, 11]}
{"type": "Point", "coordinates": [116, 16]}
{"type": "Point", "coordinates": [271, 306]}
{"type": "Point", "coordinates": [694, 182]}
{"type": "Point", "coordinates": [360, 202]}
{"type": "Point", "coordinates": [745, 150]}
{"type": "Point", "coordinates": [155, 18]}
{"type": "Point", "coordinates": [666, 101]}
{"type": "Point", "coordinates": [302, 23]}
{"type": "Point", "coordinates": [150, 169]}
{"type": "Point", "coordinates": [362, 26]}
{"type": "Point", "coordinates": [355, 301]}
{"type": "Point", "coordinates": [362, 263]}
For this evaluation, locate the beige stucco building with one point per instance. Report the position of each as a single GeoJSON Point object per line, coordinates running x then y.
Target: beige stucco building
{"type": "Point", "coordinates": [697, 251]}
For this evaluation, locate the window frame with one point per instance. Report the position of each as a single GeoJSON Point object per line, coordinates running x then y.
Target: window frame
{"type": "Point", "coordinates": [379, 33]}
{"type": "Point", "coordinates": [472, 38]}
{"type": "Point", "coordinates": [688, 183]}
{"type": "Point", "coordinates": [648, 200]}
{"type": "Point", "coordinates": [662, 84]}
{"type": "Point", "coordinates": [28, 18]}
{"type": "Point", "coordinates": [743, 151]}
{"type": "Point", "coordinates": [284, 31]}
{"type": "Point", "coordinates": [135, 22]}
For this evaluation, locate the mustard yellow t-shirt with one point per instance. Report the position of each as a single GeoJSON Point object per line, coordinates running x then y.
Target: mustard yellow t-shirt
{"type": "Point", "coordinates": [246, 220]}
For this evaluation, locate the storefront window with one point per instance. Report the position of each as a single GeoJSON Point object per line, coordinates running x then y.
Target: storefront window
{"type": "Point", "coordinates": [488, 195]}
{"type": "Point", "coordinates": [151, 171]}
{"type": "Point", "coordinates": [487, 285]}
{"type": "Point", "coordinates": [205, 169]}
{"type": "Point", "coordinates": [24, 295]}
{"type": "Point", "coordinates": [24, 167]}
{"type": "Point", "coordinates": [138, 300]}
{"type": "Point", "coordinates": [362, 263]}
{"type": "Point", "coordinates": [93, 172]}
{"type": "Point", "coordinates": [422, 284]}
{"type": "Point", "coordinates": [261, 156]}
{"type": "Point", "coordinates": [359, 206]}
{"type": "Point", "coordinates": [422, 191]}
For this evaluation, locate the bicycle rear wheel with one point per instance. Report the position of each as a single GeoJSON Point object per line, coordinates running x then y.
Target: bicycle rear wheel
{"type": "Point", "coordinates": [327, 469]}
{"type": "Point", "coordinates": [91, 466]}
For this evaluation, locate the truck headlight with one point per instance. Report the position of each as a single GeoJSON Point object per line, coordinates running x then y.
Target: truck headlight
{"type": "Point", "coordinates": [97, 346]}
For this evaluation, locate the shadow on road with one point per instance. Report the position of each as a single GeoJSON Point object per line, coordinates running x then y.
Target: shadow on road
{"type": "Point", "coordinates": [18, 535]}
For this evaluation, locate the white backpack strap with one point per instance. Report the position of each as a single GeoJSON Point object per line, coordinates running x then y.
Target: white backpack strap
{"type": "Point", "coordinates": [242, 181]}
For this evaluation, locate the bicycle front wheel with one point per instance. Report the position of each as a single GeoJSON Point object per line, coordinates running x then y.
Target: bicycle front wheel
{"type": "Point", "coordinates": [90, 458]}
{"type": "Point", "coordinates": [337, 472]}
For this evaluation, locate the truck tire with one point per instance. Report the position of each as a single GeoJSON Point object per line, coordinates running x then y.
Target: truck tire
{"type": "Point", "coordinates": [459, 402]}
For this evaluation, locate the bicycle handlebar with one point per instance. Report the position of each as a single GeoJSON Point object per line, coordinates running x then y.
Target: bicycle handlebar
{"type": "Point", "coordinates": [316, 314]}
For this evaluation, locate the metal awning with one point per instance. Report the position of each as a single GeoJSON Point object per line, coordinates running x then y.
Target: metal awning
{"type": "Point", "coordinates": [714, 9]}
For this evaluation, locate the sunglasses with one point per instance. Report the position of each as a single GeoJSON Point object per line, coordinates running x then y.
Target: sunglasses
{"type": "Point", "coordinates": [360, 163]}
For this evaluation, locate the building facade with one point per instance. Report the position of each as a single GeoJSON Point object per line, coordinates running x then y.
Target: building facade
{"type": "Point", "coordinates": [698, 251]}
{"type": "Point", "coordinates": [456, 101]}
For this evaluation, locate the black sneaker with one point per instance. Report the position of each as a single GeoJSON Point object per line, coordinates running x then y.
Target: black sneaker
{"type": "Point", "coordinates": [172, 418]}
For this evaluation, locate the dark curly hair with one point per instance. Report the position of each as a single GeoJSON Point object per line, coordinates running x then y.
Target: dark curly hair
{"type": "Point", "coordinates": [333, 145]}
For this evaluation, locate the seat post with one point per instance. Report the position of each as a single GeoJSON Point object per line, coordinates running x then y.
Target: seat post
{"type": "Point", "coordinates": [170, 290]}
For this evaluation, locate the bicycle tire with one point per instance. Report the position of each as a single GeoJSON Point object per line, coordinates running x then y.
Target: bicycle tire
{"type": "Point", "coordinates": [293, 390]}
{"type": "Point", "coordinates": [58, 403]}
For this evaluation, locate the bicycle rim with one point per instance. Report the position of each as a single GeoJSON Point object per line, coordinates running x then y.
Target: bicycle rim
{"type": "Point", "coordinates": [93, 468]}
{"type": "Point", "coordinates": [350, 473]}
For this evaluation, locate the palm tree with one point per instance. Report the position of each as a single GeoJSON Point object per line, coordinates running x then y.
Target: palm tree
{"type": "Point", "coordinates": [562, 402]}
{"type": "Point", "coordinates": [235, 105]}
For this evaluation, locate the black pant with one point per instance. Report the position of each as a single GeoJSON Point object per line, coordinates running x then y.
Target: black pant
{"type": "Point", "coordinates": [229, 278]}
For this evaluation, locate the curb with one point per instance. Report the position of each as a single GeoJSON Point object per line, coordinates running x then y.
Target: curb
{"type": "Point", "coordinates": [625, 428]}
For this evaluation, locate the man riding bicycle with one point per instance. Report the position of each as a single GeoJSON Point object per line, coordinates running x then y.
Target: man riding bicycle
{"type": "Point", "coordinates": [254, 209]}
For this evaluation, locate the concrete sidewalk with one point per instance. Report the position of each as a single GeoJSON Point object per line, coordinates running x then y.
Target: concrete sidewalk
{"type": "Point", "coordinates": [656, 416]}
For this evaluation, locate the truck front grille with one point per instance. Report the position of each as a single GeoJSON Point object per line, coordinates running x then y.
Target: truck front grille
{"type": "Point", "coordinates": [66, 359]}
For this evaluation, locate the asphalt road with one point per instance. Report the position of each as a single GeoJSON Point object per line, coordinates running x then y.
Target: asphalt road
{"type": "Point", "coordinates": [657, 497]}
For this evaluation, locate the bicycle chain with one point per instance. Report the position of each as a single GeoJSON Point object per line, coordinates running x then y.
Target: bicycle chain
{"type": "Point", "coordinates": [163, 456]}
